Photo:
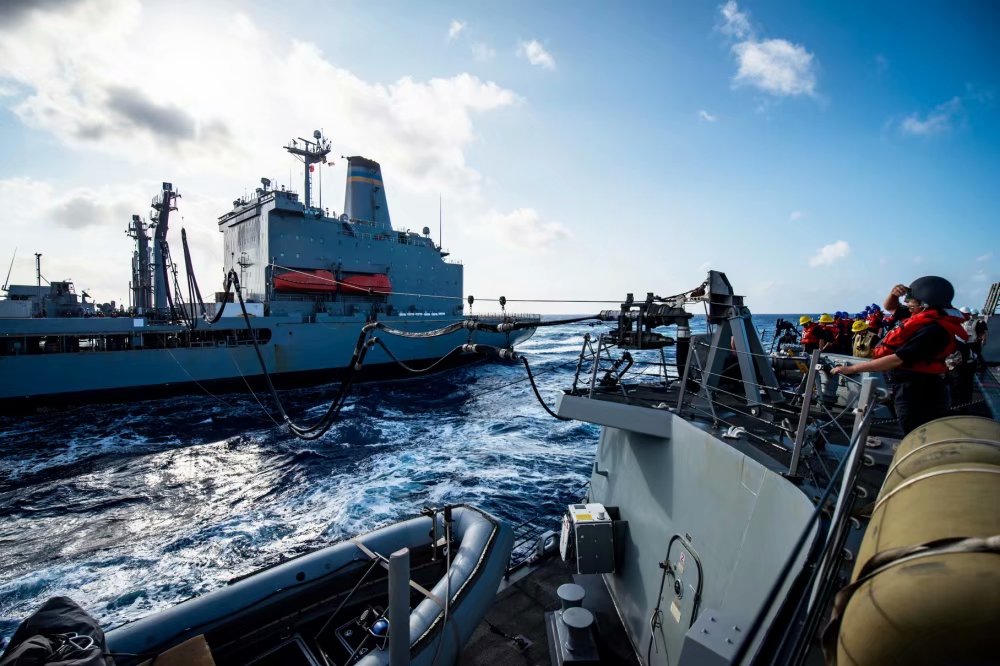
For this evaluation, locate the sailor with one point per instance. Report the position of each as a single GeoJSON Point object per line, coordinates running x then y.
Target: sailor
{"type": "Point", "coordinates": [828, 324]}
{"type": "Point", "coordinates": [864, 339]}
{"type": "Point", "coordinates": [898, 313]}
{"type": "Point", "coordinates": [876, 320]}
{"type": "Point", "coordinates": [814, 336]}
{"type": "Point", "coordinates": [914, 352]}
{"type": "Point", "coordinates": [980, 332]}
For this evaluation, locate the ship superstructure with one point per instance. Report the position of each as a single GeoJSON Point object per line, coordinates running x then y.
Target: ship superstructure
{"type": "Point", "coordinates": [310, 280]}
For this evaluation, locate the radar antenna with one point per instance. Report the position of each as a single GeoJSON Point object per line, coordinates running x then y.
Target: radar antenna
{"type": "Point", "coordinates": [312, 152]}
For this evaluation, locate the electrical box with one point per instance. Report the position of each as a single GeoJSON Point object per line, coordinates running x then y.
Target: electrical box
{"type": "Point", "coordinates": [588, 537]}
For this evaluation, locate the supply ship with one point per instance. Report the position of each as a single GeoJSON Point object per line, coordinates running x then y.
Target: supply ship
{"type": "Point", "coordinates": [309, 279]}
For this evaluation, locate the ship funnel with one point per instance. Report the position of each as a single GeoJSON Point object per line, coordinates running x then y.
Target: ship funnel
{"type": "Point", "coordinates": [364, 198]}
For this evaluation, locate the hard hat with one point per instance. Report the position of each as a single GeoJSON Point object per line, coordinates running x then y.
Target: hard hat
{"type": "Point", "coordinates": [805, 319]}
{"type": "Point", "coordinates": [965, 309]}
{"type": "Point", "coordinates": [825, 318]}
{"type": "Point", "coordinates": [933, 291]}
{"type": "Point", "coordinates": [975, 311]}
{"type": "Point", "coordinates": [859, 325]}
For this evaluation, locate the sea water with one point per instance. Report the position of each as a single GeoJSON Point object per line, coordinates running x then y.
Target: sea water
{"type": "Point", "coordinates": [131, 508]}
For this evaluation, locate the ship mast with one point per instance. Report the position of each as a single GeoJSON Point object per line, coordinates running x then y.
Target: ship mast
{"type": "Point", "coordinates": [312, 152]}
{"type": "Point", "coordinates": [162, 205]}
{"type": "Point", "coordinates": [141, 276]}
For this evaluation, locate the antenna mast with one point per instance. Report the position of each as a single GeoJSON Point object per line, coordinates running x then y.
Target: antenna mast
{"type": "Point", "coordinates": [6, 283]}
{"type": "Point", "coordinates": [440, 227]}
{"type": "Point", "coordinates": [38, 269]}
{"type": "Point", "coordinates": [312, 153]}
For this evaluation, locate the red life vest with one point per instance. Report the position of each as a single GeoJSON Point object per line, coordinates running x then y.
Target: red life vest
{"type": "Point", "coordinates": [875, 322]}
{"type": "Point", "coordinates": [809, 334]}
{"type": "Point", "coordinates": [834, 330]}
{"type": "Point", "coordinates": [898, 336]}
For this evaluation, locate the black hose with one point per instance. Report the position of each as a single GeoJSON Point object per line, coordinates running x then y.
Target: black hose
{"type": "Point", "coordinates": [538, 395]}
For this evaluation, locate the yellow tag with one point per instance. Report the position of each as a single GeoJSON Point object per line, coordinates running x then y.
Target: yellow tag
{"type": "Point", "coordinates": [584, 516]}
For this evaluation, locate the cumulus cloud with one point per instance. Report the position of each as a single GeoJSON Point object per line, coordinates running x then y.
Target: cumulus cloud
{"type": "Point", "coordinates": [938, 121]}
{"type": "Point", "coordinates": [733, 22]}
{"type": "Point", "coordinates": [536, 54]}
{"type": "Point", "coordinates": [524, 230]}
{"type": "Point", "coordinates": [830, 254]}
{"type": "Point", "coordinates": [455, 28]}
{"type": "Point", "coordinates": [775, 66]}
{"type": "Point", "coordinates": [103, 91]}
{"type": "Point", "coordinates": [706, 116]}
{"type": "Point", "coordinates": [94, 218]}
{"type": "Point", "coordinates": [482, 52]}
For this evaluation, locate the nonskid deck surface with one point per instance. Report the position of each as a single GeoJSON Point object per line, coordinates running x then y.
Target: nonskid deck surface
{"type": "Point", "coordinates": [519, 611]}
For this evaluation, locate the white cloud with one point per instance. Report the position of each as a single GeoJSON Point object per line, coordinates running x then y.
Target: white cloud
{"type": "Point", "coordinates": [706, 116]}
{"type": "Point", "coordinates": [455, 28]}
{"type": "Point", "coordinates": [482, 52]}
{"type": "Point", "coordinates": [100, 92]}
{"type": "Point", "coordinates": [829, 254]}
{"type": "Point", "coordinates": [937, 121]}
{"type": "Point", "coordinates": [523, 229]}
{"type": "Point", "coordinates": [985, 257]}
{"type": "Point", "coordinates": [734, 22]}
{"type": "Point", "coordinates": [796, 215]}
{"type": "Point", "coordinates": [94, 218]}
{"type": "Point", "coordinates": [775, 66]}
{"type": "Point", "coordinates": [536, 54]}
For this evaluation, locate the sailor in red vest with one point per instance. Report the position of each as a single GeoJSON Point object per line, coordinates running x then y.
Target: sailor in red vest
{"type": "Point", "coordinates": [829, 324]}
{"type": "Point", "coordinates": [814, 336]}
{"type": "Point", "coordinates": [914, 352]}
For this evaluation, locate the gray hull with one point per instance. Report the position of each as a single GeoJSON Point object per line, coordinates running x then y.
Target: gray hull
{"type": "Point", "coordinates": [296, 353]}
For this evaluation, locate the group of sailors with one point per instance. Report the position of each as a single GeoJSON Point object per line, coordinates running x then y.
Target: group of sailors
{"type": "Point", "coordinates": [843, 334]}
{"type": "Point", "coordinates": [929, 350]}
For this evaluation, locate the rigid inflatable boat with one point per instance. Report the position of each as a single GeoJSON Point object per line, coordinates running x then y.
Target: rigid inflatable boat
{"type": "Point", "coordinates": [331, 606]}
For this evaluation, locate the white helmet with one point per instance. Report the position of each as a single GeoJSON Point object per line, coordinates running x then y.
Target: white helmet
{"type": "Point", "coordinates": [965, 309]}
{"type": "Point", "coordinates": [975, 311]}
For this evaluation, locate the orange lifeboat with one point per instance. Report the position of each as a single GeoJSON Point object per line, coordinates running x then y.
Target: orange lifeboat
{"type": "Point", "coordinates": [378, 284]}
{"type": "Point", "coordinates": [305, 281]}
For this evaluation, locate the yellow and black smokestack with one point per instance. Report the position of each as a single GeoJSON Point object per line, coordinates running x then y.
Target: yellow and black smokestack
{"type": "Point", "coordinates": [364, 199]}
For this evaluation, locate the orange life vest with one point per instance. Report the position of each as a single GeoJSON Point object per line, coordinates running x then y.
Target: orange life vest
{"type": "Point", "coordinates": [898, 336]}
{"type": "Point", "coordinates": [809, 334]}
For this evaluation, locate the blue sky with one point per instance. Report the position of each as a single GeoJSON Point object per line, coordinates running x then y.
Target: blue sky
{"type": "Point", "coordinates": [817, 153]}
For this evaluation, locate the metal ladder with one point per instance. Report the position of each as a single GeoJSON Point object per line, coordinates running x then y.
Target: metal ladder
{"type": "Point", "coordinates": [990, 308]}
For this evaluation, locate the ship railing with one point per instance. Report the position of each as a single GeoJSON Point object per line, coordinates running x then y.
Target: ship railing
{"type": "Point", "coordinates": [796, 422]}
{"type": "Point", "coordinates": [811, 597]}
{"type": "Point", "coordinates": [597, 368]}
{"type": "Point", "coordinates": [537, 536]}
{"type": "Point", "coordinates": [795, 629]}
{"type": "Point", "coordinates": [494, 317]}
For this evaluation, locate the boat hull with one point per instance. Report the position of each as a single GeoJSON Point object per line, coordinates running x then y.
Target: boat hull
{"type": "Point", "coordinates": [295, 354]}
{"type": "Point", "coordinates": [263, 608]}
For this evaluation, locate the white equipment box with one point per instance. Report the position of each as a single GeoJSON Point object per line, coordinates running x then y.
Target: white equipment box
{"type": "Point", "coordinates": [588, 533]}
